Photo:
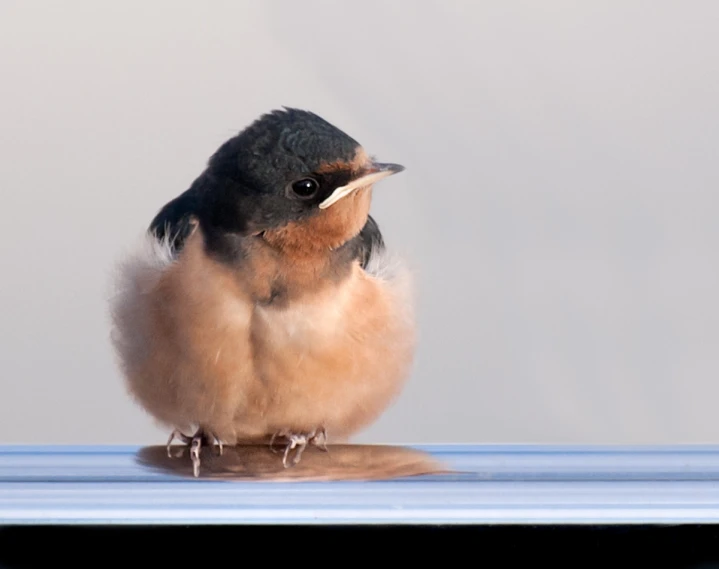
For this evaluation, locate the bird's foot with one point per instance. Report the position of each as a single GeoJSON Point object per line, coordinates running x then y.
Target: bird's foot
{"type": "Point", "coordinates": [298, 442]}
{"type": "Point", "coordinates": [195, 443]}
{"type": "Point", "coordinates": [177, 434]}
{"type": "Point", "coordinates": [319, 439]}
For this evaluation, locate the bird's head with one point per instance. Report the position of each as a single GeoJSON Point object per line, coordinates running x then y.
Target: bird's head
{"type": "Point", "coordinates": [294, 179]}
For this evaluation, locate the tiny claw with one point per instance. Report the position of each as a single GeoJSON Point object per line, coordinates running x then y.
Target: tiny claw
{"type": "Point", "coordinates": [176, 434]}
{"type": "Point", "coordinates": [272, 442]}
{"type": "Point", "coordinates": [288, 448]}
{"type": "Point", "coordinates": [286, 455]}
{"type": "Point", "coordinates": [320, 440]}
{"type": "Point", "coordinates": [295, 441]}
{"type": "Point", "coordinates": [169, 443]}
{"type": "Point", "coordinates": [300, 449]}
{"type": "Point", "coordinates": [195, 455]}
{"type": "Point", "coordinates": [211, 439]}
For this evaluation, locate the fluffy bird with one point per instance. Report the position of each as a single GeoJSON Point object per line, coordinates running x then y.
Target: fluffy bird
{"type": "Point", "coordinates": [261, 304]}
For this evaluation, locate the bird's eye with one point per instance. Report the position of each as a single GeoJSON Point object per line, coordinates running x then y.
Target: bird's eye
{"type": "Point", "coordinates": [305, 188]}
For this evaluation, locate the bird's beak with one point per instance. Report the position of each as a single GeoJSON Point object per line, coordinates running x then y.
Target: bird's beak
{"type": "Point", "coordinates": [374, 174]}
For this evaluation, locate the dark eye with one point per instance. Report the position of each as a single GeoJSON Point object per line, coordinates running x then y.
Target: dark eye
{"type": "Point", "coordinates": [305, 188]}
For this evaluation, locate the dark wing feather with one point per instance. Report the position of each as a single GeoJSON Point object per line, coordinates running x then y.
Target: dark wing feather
{"type": "Point", "coordinates": [370, 241]}
{"type": "Point", "coordinates": [176, 220]}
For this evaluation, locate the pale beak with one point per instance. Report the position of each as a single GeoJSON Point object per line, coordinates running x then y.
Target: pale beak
{"type": "Point", "coordinates": [375, 173]}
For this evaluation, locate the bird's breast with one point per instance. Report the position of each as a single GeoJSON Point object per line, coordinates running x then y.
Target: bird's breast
{"type": "Point", "coordinates": [332, 359]}
{"type": "Point", "coordinates": [309, 322]}
{"type": "Point", "coordinates": [199, 348]}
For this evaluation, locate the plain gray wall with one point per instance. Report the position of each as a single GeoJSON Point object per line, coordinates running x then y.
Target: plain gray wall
{"type": "Point", "coordinates": [560, 204]}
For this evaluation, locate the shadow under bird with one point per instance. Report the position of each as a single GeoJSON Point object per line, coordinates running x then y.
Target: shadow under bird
{"type": "Point", "coordinates": [262, 305]}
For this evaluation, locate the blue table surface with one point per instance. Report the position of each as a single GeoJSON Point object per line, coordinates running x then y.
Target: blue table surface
{"type": "Point", "coordinates": [487, 484]}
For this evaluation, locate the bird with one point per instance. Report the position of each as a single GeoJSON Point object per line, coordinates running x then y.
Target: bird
{"type": "Point", "coordinates": [262, 304]}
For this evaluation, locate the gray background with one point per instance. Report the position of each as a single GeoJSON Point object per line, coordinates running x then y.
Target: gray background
{"type": "Point", "coordinates": [559, 204]}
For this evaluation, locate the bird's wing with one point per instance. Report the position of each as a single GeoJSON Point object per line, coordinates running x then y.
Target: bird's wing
{"type": "Point", "coordinates": [175, 222]}
{"type": "Point", "coordinates": [371, 241]}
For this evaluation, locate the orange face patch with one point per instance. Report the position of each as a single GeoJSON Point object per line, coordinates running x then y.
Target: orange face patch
{"type": "Point", "coordinates": [330, 228]}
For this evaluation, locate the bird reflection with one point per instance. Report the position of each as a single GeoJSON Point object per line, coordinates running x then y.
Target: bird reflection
{"type": "Point", "coordinates": [261, 462]}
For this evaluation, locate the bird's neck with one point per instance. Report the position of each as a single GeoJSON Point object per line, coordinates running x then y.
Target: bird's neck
{"type": "Point", "coordinates": [278, 275]}
{"type": "Point", "coordinates": [274, 271]}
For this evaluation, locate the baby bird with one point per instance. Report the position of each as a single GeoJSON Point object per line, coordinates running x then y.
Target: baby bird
{"type": "Point", "coordinates": [262, 303]}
